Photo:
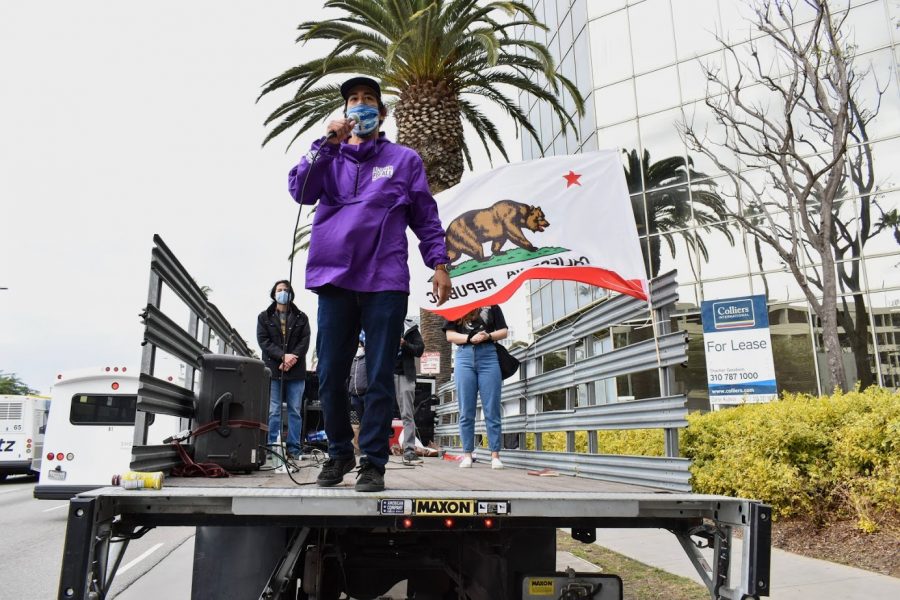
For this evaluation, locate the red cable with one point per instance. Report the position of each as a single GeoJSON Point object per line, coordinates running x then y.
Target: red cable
{"type": "Point", "coordinates": [212, 470]}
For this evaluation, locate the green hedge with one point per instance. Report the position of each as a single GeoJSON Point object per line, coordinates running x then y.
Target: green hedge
{"type": "Point", "coordinates": [804, 455]}
{"type": "Point", "coordinates": [636, 442]}
{"type": "Point", "coordinates": [836, 455]}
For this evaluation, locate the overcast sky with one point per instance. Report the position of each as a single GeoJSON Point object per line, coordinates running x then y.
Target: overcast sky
{"type": "Point", "coordinates": [124, 119]}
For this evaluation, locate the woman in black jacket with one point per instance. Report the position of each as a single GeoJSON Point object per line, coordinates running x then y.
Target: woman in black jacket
{"type": "Point", "coordinates": [282, 331]}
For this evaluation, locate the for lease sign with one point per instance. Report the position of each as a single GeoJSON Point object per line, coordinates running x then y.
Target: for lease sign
{"type": "Point", "coordinates": [739, 366]}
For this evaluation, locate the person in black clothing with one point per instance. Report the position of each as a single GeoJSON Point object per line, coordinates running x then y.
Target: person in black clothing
{"type": "Point", "coordinates": [411, 347]}
{"type": "Point", "coordinates": [282, 331]}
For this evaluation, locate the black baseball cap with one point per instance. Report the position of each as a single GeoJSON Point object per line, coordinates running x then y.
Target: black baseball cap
{"type": "Point", "coordinates": [351, 83]}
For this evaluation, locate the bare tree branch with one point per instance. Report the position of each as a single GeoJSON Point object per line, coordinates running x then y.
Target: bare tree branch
{"type": "Point", "coordinates": [790, 121]}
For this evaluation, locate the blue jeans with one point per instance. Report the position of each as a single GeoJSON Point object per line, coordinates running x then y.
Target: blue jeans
{"type": "Point", "coordinates": [342, 313]}
{"type": "Point", "coordinates": [477, 372]}
{"type": "Point", "coordinates": [293, 396]}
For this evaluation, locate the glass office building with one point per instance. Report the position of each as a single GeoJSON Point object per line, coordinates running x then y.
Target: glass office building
{"type": "Point", "coordinates": [638, 64]}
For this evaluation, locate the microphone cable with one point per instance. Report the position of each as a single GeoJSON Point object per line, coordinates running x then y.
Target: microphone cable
{"type": "Point", "coordinates": [291, 286]}
{"type": "Point", "coordinates": [312, 162]}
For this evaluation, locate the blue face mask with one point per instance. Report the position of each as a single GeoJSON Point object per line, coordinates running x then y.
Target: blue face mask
{"type": "Point", "coordinates": [282, 297]}
{"type": "Point", "coordinates": [368, 117]}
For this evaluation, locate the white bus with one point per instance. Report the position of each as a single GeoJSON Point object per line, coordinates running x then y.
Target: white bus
{"type": "Point", "coordinates": [23, 420]}
{"type": "Point", "coordinates": [91, 430]}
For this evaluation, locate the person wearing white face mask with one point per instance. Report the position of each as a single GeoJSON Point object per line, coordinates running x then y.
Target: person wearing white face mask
{"type": "Point", "coordinates": [282, 331]}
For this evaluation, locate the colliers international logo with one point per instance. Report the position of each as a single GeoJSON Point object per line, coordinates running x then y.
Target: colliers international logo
{"type": "Point", "coordinates": [733, 314]}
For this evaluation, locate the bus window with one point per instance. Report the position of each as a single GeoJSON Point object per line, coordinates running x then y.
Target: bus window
{"type": "Point", "coordinates": [97, 409]}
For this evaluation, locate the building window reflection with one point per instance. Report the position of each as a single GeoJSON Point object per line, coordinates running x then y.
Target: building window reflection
{"type": "Point", "coordinates": [639, 66]}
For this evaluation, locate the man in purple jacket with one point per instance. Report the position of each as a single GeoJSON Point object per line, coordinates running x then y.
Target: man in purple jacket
{"type": "Point", "coordinates": [369, 191]}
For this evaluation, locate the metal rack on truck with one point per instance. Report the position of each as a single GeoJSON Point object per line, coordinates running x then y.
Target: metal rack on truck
{"type": "Point", "coordinates": [449, 533]}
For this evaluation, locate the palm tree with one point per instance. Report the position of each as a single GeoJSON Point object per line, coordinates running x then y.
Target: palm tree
{"type": "Point", "coordinates": [302, 235]}
{"type": "Point", "coordinates": [891, 220]}
{"type": "Point", "coordinates": [668, 186]}
{"type": "Point", "coordinates": [755, 215]}
{"type": "Point", "coordinates": [434, 58]}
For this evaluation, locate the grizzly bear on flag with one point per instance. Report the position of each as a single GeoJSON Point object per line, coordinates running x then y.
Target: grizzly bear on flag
{"type": "Point", "coordinates": [502, 222]}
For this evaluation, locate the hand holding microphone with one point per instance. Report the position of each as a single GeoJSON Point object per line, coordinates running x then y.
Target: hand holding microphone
{"type": "Point", "coordinates": [340, 129]}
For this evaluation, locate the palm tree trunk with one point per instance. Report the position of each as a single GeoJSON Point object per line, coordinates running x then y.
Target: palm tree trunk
{"type": "Point", "coordinates": [436, 341]}
{"type": "Point", "coordinates": [655, 255]}
{"type": "Point", "coordinates": [429, 122]}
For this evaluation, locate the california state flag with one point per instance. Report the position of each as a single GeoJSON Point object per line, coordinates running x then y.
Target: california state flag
{"type": "Point", "coordinates": [566, 217]}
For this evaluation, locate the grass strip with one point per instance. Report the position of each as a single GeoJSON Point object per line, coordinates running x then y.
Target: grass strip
{"type": "Point", "coordinates": [641, 582]}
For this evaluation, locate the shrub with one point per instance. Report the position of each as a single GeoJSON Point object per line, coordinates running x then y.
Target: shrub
{"type": "Point", "coordinates": [635, 442]}
{"type": "Point", "coordinates": [555, 441]}
{"type": "Point", "coordinates": [808, 456]}
{"type": "Point", "coordinates": [632, 442]}
{"type": "Point", "coordinates": [804, 455]}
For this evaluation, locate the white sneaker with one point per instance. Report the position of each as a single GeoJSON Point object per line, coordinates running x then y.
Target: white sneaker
{"type": "Point", "coordinates": [496, 464]}
{"type": "Point", "coordinates": [465, 463]}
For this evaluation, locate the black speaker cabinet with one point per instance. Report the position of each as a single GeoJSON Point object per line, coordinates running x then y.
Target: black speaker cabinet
{"type": "Point", "coordinates": [232, 388]}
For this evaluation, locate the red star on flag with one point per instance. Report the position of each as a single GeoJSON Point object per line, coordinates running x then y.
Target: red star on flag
{"type": "Point", "coordinates": [572, 179]}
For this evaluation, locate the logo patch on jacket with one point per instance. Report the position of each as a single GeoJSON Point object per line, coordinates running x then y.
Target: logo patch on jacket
{"type": "Point", "coordinates": [380, 172]}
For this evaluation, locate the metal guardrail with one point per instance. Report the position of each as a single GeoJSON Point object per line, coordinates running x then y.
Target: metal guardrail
{"type": "Point", "coordinates": [651, 471]}
{"type": "Point", "coordinates": [156, 458]}
{"type": "Point", "coordinates": [651, 413]}
{"type": "Point", "coordinates": [156, 396]}
{"type": "Point", "coordinates": [163, 333]}
{"type": "Point", "coordinates": [164, 398]}
{"type": "Point", "coordinates": [663, 292]}
{"type": "Point", "coordinates": [521, 398]}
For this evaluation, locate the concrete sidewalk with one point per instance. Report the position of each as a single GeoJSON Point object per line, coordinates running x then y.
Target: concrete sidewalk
{"type": "Point", "coordinates": [793, 576]}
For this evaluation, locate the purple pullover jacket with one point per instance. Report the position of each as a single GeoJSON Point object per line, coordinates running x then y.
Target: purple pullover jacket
{"type": "Point", "coordinates": [368, 195]}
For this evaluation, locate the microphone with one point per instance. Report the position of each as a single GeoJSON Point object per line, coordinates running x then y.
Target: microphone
{"type": "Point", "coordinates": [353, 118]}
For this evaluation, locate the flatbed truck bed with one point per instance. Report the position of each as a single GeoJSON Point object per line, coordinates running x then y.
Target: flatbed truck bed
{"type": "Point", "coordinates": [508, 507]}
{"type": "Point", "coordinates": [270, 493]}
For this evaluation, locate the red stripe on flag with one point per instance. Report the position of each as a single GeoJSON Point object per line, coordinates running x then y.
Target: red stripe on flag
{"type": "Point", "coordinates": [590, 275]}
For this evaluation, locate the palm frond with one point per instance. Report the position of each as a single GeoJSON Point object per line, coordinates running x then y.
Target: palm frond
{"type": "Point", "coordinates": [464, 46]}
{"type": "Point", "coordinates": [484, 128]}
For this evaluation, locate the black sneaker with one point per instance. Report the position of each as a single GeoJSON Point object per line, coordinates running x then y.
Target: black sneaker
{"type": "Point", "coordinates": [333, 471]}
{"type": "Point", "coordinates": [410, 457]}
{"type": "Point", "coordinates": [370, 477]}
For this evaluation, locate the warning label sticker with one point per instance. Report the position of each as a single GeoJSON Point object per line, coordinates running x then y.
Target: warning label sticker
{"type": "Point", "coordinates": [541, 587]}
{"type": "Point", "coordinates": [493, 507]}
